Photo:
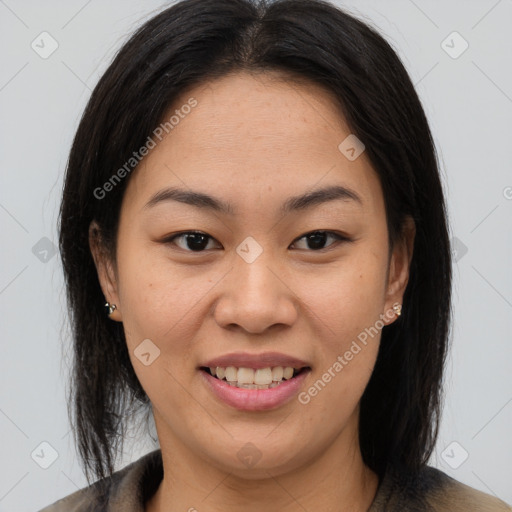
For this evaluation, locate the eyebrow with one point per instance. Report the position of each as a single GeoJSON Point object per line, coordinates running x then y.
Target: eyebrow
{"type": "Point", "coordinates": [295, 203]}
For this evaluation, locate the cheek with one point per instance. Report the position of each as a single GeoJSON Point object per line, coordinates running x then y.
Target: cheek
{"type": "Point", "coordinates": [159, 301]}
{"type": "Point", "coordinates": [347, 331]}
{"type": "Point", "coordinates": [347, 299]}
{"type": "Point", "coordinates": [161, 308]}
{"type": "Point", "coordinates": [160, 304]}
{"type": "Point", "coordinates": [345, 308]}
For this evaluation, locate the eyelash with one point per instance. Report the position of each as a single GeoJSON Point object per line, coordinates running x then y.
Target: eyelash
{"type": "Point", "coordinates": [337, 236]}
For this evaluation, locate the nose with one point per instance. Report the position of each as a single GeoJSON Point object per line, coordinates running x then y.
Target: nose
{"type": "Point", "coordinates": [254, 297]}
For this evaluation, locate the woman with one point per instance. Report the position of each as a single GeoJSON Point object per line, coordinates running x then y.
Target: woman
{"type": "Point", "coordinates": [254, 195]}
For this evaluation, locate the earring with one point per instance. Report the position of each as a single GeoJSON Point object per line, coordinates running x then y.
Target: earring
{"type": "Point", "coordinates": [111, 307]}
{"type": "Point", "coordinates": [397, 309]}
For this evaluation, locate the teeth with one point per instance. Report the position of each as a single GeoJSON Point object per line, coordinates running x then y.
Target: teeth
{"type": "Point", "coordinates": [231, 374]}
{"type": "Point", "coordinates": [245, 376]}
{"type": "Point", "coordinates": [277, 373]}
{"type": "Point", "coordinates": [246, 386]}
{"type": "Point", "coordinates": [287, 373]}
{"type": "Point", "coordinates": [262, 376]}
{"type": "Point", "coordinates": [249, 378]}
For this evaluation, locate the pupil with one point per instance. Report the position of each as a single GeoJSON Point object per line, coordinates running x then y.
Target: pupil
{"type": "Point", "coordinates": [198, 242]}
{"type": "Point", "coordinates": [317, 240]}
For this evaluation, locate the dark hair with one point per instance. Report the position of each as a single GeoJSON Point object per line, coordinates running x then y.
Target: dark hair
{"type": "Point", "coordinates": [196, 41]}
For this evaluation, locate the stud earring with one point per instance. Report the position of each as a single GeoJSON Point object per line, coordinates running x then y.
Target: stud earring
{"type": "Point", "coordinates": [110, 307]}
{"type": "Point", "coordinates": [397, 309]}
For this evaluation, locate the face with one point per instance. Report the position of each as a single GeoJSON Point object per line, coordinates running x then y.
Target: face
{"type": "Point", "coordinates": [308, 278]}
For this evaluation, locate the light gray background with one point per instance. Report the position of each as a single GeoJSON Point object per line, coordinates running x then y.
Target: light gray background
{"type": "Point", "coordinates": [468, 101]}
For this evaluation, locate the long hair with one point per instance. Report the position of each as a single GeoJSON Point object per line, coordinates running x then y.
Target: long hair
{"type": "Point", "coordinates": [193, 42]}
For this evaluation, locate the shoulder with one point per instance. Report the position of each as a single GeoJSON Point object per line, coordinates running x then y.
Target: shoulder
{"type": "Point", "coordinates": [432, 490]}
{"type": "Point", "coordinates": [444, 493]}
{"type": "Point", "coordinates": [125, 490]}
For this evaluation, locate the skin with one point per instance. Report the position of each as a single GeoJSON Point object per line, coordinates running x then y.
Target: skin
{"type": "Point", "coordinates": [253, 141]}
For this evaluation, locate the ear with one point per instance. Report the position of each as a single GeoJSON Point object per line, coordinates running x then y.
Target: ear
{"type": "Point", "coordinates": [398, 272]}
{"type": "Point", "coordinates": [105, 270]}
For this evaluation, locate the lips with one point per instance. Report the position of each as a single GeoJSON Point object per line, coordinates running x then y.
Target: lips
{"type": "Point", "coordinates": [253, 400]}
{"type": "Point", "coordinates": [255, 361]}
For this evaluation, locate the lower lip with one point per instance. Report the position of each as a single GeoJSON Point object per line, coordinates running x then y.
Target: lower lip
{"type": "Point", "coordinates": [255, 399]}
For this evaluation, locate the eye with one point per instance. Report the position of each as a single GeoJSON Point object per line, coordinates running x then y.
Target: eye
{"type": "Point", "coordinates": [316, 239]}
{"type": "Point", "coordinates": [195, 241]}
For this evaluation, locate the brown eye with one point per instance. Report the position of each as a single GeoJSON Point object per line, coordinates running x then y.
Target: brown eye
{"type": "Point", "coordinates": [316, 240]}
{"type": "Point", "coordinates": [194, 241]}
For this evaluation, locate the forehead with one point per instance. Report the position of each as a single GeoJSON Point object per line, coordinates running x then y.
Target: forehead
{"type": "Point", "coordinates": [252, 134]}
{"type": "Point", "coordinates": [243, 113]}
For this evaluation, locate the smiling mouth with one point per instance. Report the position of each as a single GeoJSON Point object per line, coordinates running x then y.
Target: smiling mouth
{"type": "Point", "coordinates": [249, 378]}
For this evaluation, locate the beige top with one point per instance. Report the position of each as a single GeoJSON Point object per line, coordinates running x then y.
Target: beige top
{"type": "Point", "coordinates": [431, 490]}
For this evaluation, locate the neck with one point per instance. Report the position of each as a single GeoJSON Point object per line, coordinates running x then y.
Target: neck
{"type": "Point", "coordinates": [337, 480]}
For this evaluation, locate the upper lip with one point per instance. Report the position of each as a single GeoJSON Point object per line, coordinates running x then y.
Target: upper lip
{"type": "Point", "coordinates": [264, 360]}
